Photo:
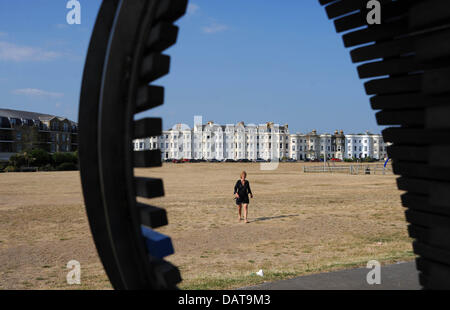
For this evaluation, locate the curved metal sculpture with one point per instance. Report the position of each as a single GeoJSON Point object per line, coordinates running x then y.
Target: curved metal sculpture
{"type": "Point", "coordinates": [124, 57]}
{"type": "Point", "coordinates": [410, 49]}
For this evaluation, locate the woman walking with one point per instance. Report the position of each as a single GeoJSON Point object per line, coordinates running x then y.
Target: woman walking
{"type": "Point", "coordinates": [241, 192]}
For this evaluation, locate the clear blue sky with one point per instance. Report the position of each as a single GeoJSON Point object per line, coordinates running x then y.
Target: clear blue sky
{"type": "Point", "coordinates": [252, 61]}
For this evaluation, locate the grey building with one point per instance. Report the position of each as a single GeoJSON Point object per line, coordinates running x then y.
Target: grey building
{"type": "Point", "coordinates": [20, 130]}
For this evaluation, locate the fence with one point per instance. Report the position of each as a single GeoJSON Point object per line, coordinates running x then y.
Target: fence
{"type": "Point", "coordinates": [350, 169]}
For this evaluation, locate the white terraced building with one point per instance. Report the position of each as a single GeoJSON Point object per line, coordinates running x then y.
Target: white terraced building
{"type": "Point", "coordinates": [267, 141]}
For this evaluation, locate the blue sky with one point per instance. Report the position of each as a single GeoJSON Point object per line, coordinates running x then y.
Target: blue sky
{"type": "Point", "coordinates": [235, 60]}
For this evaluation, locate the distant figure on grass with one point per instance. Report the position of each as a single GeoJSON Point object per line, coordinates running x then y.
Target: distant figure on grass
{"type": "Point", "coordinates": [241, 191]}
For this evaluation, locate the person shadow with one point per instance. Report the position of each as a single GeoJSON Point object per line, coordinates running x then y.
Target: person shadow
{"type": "Point", "coordinates": [266, 218]}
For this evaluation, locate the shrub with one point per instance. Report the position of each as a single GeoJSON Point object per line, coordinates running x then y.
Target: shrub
{"type": "Point", "coordinates": [369, 159]}
{"type": "Point", "coordinates": [67, 166]}
{"type": "Point", "coordinates": [10, 169]}
{"type": "Point", "coordinates": [41, 157]}
{"type": "Point", "coordinates": [60, 158]}
{"type": "Point", "coordinates": [17, 160]}
{"type": "Point", "coordinates": [47, 167]}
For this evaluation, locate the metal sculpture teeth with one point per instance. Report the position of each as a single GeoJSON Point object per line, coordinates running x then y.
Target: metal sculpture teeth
{"type": "Point", "coordinates": [410, 46]}
{"type": "Point", "coordinates": [153, 217]}
{"type": "Point", "coordinates": [148, 187]}
{"type": "Point", "coordinates": [147, 159]}
{"type": "Point", "coordinates": [147, 127]}
{"type": "Point", "coordinates": [149, 97]}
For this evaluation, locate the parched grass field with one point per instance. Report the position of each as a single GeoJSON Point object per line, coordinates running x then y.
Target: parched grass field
{"type": "Point", "coordinates": [299, 224]}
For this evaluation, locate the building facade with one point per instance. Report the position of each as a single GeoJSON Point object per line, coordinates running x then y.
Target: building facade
{"type": "Point", "coordinates": [20, 130]}
{"type": "Point", "coordinates": [266, 141]}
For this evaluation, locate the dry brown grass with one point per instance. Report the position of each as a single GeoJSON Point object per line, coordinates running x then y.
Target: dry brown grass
{"type": "Point", "coordinates": [300, 224]}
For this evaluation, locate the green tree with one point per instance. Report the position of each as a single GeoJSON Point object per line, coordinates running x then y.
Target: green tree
{"type": "Point", "coordinates": [17, 160]}
{"type": "Point", "coordinates": [60, 158]}
{"type": "Point", "coordinates": [41, 157]}
{"type": "Point", "coordinates": [28, 157]}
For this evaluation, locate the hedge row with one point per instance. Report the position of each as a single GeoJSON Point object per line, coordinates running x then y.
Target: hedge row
{"type": "Point", "coordinates": [43, 161]}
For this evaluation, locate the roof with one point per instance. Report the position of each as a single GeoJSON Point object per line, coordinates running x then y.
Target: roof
{"type": "Point", "coordinates": [29, 115]}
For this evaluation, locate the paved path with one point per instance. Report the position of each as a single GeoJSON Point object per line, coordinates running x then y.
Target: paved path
{"type": "Point", "coordinates": [400, 276]}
